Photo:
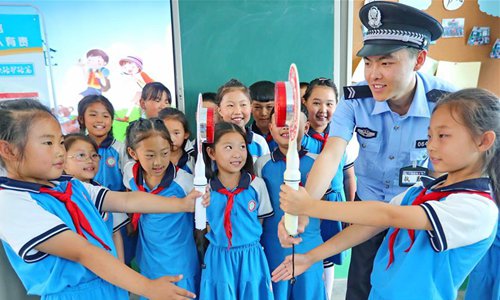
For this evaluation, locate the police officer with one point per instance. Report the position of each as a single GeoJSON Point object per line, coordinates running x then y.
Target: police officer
{"type": "Point", "coordinates": [389, 112]}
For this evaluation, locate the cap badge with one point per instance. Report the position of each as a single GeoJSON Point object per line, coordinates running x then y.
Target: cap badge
{"type": "Point", "coordinates": [374, 17]}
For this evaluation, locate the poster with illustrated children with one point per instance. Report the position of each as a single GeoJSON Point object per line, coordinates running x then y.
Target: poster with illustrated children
{"type": "Point", "coordinates": [495, 51]}
{"type": "Point", "coordinates": [91, 55]}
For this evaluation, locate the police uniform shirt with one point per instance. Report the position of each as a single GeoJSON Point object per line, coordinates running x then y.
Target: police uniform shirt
{"type": "Point", "coordinates": [113, 159]}
{"type": "Point", "coordinates": [463, 228]}
{"type": "Point", "coordinates": [28, 218]}
{"type": "Point", "coordinates": [387, 140]}
{"type": "Point", "coordinates": [249, 206]}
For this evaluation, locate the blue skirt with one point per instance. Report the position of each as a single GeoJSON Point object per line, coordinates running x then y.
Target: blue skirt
{"type": "Point", "coordinates": [236, 273]}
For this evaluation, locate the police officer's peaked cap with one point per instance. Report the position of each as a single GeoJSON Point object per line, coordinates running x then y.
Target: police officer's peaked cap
{"type": "Point", "coordinates": [393, 26]}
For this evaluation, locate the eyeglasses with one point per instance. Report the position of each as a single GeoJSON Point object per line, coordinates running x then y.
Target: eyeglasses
{"type": "Point", "coordinates": [85, 156]}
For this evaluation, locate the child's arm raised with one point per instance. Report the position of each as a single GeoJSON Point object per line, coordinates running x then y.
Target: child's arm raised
{"type": "Point", "coordinates": [71, 246]}
{"type": "Point", "coordinates": [370, 213]}
{"type": "Point", "coordinates": [140, 202]}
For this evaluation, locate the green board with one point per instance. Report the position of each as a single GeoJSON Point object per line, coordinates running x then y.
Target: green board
{"type": "Point", "coordinates": [252, 41]}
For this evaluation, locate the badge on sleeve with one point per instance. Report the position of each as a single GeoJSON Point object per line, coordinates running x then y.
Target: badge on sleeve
{"type": "Point", "coordinates": [410, 175]}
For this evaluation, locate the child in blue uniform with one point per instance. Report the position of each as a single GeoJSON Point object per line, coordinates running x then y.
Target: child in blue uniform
{"type": "Point", "coordinates": [320, 100]}
{"type": "Point", "coordinates": [154, 97]}
{"type": "Point", "coordinates": [82, 162]}
{"type": "Point", "coordinates": [262, 95]}
{"type": "Point", "coordinates": [178, 128]}
{"type": "Point", "coordinates": [233, 99]}
{"type": "Point", "coordinates": [271, 168]}
{"type": "Point", "coordinates": [165, 245]}
{"type": "Point", "coordinates": [439, 229]}
{"type": "Point", "coordinates": [236, 267]}
{"type": "Point", "coordinates": [95, 116]}
{"type": "Point", "coordinates": [52, 230]}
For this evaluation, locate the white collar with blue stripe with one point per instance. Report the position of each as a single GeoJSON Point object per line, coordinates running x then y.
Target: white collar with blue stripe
{"type": "Point", "coordinates": [24, 186]}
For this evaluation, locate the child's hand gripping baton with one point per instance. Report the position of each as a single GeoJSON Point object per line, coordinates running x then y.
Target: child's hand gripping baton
{"type": "Point", "coordinates": [287, 112]}
{"type": "Point", "coordinates": [204, 133]}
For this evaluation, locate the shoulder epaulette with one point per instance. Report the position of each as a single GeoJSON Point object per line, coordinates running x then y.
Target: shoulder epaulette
{"type": "Point", "coordinates": [435, 94]}
{"type": "Point", "coordinates": [357, 91]}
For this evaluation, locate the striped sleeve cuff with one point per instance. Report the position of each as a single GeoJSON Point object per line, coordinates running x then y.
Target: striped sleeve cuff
{"type": "Point", "coordinates": [120, 225]}
{"type": "Point", "coordinates": [436, 236]}
{"type": "Point", "coordinates": [35, 256]}
{"type": "Point", "coordinates": [267, 215]}
{"type": "Point", "coordinates": [100, 199]}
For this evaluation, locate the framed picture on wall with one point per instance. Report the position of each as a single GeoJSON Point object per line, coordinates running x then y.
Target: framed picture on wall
{"type": "Point", "coordinates": [453, 27]}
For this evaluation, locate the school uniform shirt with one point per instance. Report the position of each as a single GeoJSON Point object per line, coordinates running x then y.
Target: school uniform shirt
{"type": "Point", "coordinates": [113, 159]}
{"type": "Point", "coordinates": [166, 244]}
{"type": "Point", "coordinates": [238, 270]}
{"type": "Point", "coordinates": [387, 140]}
{"type": "Point", "coordinates": [268, 137]}
{"type": "Point", "coordinates": [257, 145]}
{"type": "Point", "coordinates": [464, 226]}
{"type": "Point", "coordinates": [28, 218]}
{"type": "Point", "coordinates": [116, 220]}
{"type": "Point", "coordinates": [308, 285]}
{"type": "Point", "coordinates": [186, 162]}
{"type": "Point", "coordinates": [314, 141]}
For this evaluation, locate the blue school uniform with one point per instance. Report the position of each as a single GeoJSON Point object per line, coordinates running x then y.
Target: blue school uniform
{"type": "Point", "coordinates": [28, 218]}
{"type": "Point", "coordinates": [237, 268]}
{"type": "Point", "coordinates": [464, 226]}
{"type": "Point", "coordinates": [484, 282]}
{"type": "Point", "coordinates": [268, 137]}
{"type": "Point", "coordinates": [186, 162]}
{"type": "Point", "coordinates": [115, 221]}
{"type": "Point", "coordinates": [388, 141]}
{"type": "Point", "coordinates": [166, 244]}
{"type": "Point", "coordinates": [308, 285]}
{"type": "Point", "coordinates": [257, 145]}
{"type": "Point", "coordinates": [315, 141]}
{"type": "Point", "coordinates": [113, 158]}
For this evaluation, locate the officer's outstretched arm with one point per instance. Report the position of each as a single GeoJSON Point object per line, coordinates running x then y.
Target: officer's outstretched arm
{"type": "Point", "coordinates": [325, 167]}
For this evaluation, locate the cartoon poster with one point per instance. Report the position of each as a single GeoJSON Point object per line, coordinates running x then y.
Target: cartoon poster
{"type": "Point", "coordinates": [109, 48]}
{"type": "Point", "coordinates": [495, 51]}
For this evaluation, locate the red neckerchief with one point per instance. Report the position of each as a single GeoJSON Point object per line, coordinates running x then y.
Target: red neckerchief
{"type": "Point", "coordinates": [138, 181]}
{"type": "Point", "coordinates": [79, 219]}
{"type": "Point", "coordinates": [227, 212]}
{"type": "Point", "coordinates": [422, 198]}
{"type": "Point", "coordinates": [321, 138]}
{"type": "Point", "coordinates": [268, 137]}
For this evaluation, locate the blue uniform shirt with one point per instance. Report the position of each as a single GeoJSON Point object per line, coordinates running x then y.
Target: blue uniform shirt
{"type": "Point", "coordinates": [28, 218]}
{"type": "Point", "coordinates": [257, 145]}
{"type": "Point", "coordinates": [113, 158]}
{"type": "Point", "coordinates": [186, 162]}
{"type": "Point", "coordinates": [166, 243]}
{"type": "Point", "coordinates": [463, 228]}
{"type": "Point", "coordinates": [385, 136]}
{"type": "Point", "coordinates": [312, 144]}
{"type": "Point", "coordinates": [268, 137]}
{"type": "Point", "coordinates": [249, 206]}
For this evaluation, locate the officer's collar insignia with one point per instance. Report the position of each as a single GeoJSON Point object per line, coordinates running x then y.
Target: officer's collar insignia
{"type": "Point", "coordinates": [374, 17]}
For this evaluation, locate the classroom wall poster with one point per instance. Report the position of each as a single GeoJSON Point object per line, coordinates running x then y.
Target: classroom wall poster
{"type": "Point", "coordinates": [111, 48]}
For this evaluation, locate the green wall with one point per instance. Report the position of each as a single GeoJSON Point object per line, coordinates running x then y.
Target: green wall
{"type": "Point", "coordinates": [252, 40]}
